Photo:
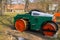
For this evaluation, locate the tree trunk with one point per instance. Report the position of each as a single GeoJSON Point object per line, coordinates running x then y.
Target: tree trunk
{"type": "Point", "coordinates": [26, 5]}
{"type": "Point", "coordinates": [2, 7]}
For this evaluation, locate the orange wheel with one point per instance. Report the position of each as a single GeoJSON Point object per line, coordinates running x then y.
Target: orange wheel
{"type": "Point", "coordinates": [20, 25]}
{"type": "Point", "coordinates": [49, 29]}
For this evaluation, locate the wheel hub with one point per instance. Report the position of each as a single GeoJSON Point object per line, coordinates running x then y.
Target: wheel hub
{"type": "Point", "coordinates": [49, 30]}
{"type": "Point", "coordinates": [20, 25]}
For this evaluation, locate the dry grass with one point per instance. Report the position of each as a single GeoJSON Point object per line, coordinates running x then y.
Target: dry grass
{"type": "Point", "coordinates": [14, 13]}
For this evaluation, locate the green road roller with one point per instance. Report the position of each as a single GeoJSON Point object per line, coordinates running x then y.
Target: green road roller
{"type": "Point", "coordinates": [37, 21]}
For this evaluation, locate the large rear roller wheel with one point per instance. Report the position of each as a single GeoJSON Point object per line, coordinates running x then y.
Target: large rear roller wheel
{"type": "Point", "coordinates": [49, 29]}
{"type": "Point", "coordinates": [21, 25]}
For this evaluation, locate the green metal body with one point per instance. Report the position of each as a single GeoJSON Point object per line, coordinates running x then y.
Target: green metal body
{"type": "Point", "coordinates": [35, 21]}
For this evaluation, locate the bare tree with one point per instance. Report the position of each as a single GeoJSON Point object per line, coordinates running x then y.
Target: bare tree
{"type": "Point", "coordinates": [2, 6]}
{"type": "Point", "coordinates": [26, 5]}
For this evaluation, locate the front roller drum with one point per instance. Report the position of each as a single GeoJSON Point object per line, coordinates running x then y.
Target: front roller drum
{"type": "Point", "coordinates": [20, 25]}
{"type": "Point", "coordinates": [49, 29]}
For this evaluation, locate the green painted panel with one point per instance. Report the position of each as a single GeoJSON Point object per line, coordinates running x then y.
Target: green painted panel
{"type": "Point", "coordinates": [35, 21]}
{"type": "Point", "coordinates": [38, 22]}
